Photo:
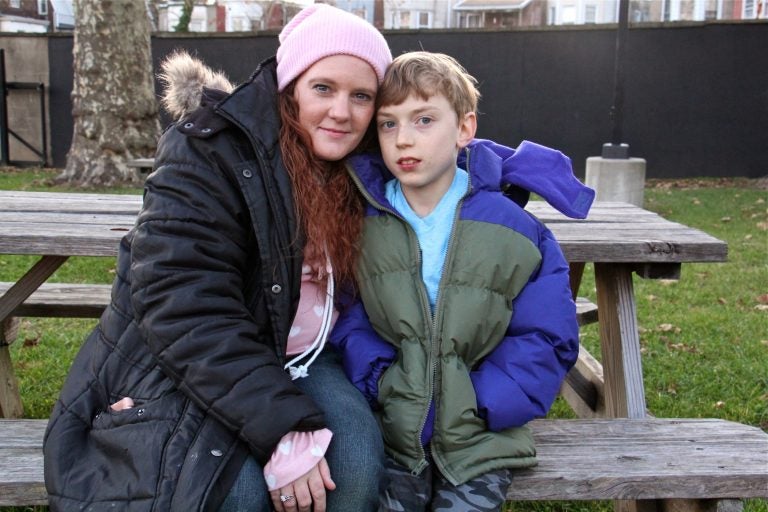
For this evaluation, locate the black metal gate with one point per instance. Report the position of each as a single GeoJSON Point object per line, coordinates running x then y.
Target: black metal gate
{"type": "Point", "coordinates": [6, 132]}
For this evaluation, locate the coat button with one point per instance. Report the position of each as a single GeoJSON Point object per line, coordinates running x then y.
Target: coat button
{"type": "Point", "coordinates": [189, 125]}
{"type": "Point", "coordinates": [140, 412]}
{"type": "Point", "coordinates": [276, 288]}
{"type": "Point", "coordinates": [247, 173]}
{"type": "Point", "coordinates": [217, 453]}
{"type": "Point", "coordinates": [206, 130]}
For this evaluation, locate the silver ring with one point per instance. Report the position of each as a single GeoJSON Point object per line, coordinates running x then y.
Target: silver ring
{"type": "Point", "coordinates": [285, 498]}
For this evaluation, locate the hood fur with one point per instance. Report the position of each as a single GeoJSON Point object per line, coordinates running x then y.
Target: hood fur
{"type": "Point", "coordinates": [184, 78]}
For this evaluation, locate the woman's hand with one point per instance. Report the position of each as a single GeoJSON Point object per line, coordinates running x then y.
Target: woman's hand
{"type": "Point", "coordinates": [125, 403]}
{"type": "Point", "coordinates": [308, 491]}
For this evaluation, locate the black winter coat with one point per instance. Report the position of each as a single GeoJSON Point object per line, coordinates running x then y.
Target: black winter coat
{"type": "Point", "coordinates": [206, 289]}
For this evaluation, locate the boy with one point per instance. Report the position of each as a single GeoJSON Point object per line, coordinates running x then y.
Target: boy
{"type": "Point", "coordinates": [466, 327]}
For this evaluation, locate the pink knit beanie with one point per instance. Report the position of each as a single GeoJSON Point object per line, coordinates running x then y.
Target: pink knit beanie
{"type": "Point", "coordinates": [321, 30]}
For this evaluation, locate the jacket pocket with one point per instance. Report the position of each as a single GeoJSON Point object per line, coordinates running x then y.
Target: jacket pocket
{"type": "Point", "coordinates": [125, 450]}
{"type": "Point", "coordinates": [164, 409]}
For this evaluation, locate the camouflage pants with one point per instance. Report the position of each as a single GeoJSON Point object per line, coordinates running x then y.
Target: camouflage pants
{"type": "Point", "coordinates": [429, 491]}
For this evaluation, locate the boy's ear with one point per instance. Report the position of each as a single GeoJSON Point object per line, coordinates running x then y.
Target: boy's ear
{"type": "Point", "coordinates": [467, 129]}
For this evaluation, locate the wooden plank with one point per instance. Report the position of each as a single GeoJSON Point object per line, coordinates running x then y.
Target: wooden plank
{"type": "Point", "coordinates": [104, 244]}
{"type": "Point", "coordinates": [32, 280]}
{"type": "Point", "coordinates": [584, 387]}
{"type": "Point", "coordinates": [67, 218]}
{"type": "Point", "coordinates": [21, 462]}
{"type": "Point", "coordinates": [619, 342]}
{"type": "Point", "coordinates": [70, 202]}
{"type": "Point", "coordinates": [614, 232]}
{"type": "Point", "coordinates": [644, 459]}
{"type": "Point", "coordinates": [575, 273]}
{"type": "Point", "coordinates": [10, 399]}
{"type": "Point", "coordinates": [141, 163]}
{"type": "Point", "coordinates": [649, 459]}
{"type": "Point", "coordinates": [65, 300]}
{"type": "Point", "coordinates": [586, 311]}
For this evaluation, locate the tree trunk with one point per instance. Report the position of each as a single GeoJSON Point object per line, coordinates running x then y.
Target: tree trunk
{"type": "Point", "coordinates": [186, 16]}
{"type": "Point", "coordinates": [113, 100]}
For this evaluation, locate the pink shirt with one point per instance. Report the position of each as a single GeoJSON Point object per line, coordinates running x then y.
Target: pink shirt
{"type": "Point", "coordinates": [298, 452]}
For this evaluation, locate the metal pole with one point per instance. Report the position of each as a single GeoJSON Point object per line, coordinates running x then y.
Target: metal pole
{"type": "Point", "coordinates": [43, 134]}
{"type": "Point", "coordinates": [4, 158]}
{"type": "Point", "coordinates": [616, 148]}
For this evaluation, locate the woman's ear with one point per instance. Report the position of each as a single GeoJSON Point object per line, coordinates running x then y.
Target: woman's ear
{"type": "Point", "coordinates": [467, 129]}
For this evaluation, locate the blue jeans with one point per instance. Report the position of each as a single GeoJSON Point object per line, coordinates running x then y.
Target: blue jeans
{"type": "Point", "coordinates": [355, 455]}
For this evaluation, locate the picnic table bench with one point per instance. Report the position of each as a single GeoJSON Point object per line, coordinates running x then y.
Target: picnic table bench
{"type": "Point", "coordinates": [595, 457]}
{"type": "Point", "coordinates": [143, 165]}
{"type": "Point", "coordinates": [686, 465]}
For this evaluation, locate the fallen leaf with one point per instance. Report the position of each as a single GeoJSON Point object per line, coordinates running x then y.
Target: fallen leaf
{"type": "Point", "coordinates": [719, 404]}
{"type": "Point", "coordinates": [683, 347]}
{"type": "Point", "coordinates": [32, 342]}
{"type": "Point", "coordinates": [651, 298]}
{"type": "Point", "coordinates": [760, 201]}
{"type": "Point", "coordinates": [721, 300]}
{"type": "Point", "coordinates": [725, 219]}
{"type": "Point", "coordinates": [762, 225]}
{"type": "Point", "coordinates": [747, 237]}
{"type": "Point", "coordinates": [668, 328]}
{"type": "Point", "coordinates": [763, 299]}
{"type": "Point", "coordinates": [696, 201]}
{"type": "Point", "coordinates": [762, 307]}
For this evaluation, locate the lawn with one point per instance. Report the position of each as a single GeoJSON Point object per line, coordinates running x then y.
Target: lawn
{"type": "Point", "coordinates": [704, 338]}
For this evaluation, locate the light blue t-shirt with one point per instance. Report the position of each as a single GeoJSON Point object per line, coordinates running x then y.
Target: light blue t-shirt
{"type": "Point", "coordinates": [433, 230]}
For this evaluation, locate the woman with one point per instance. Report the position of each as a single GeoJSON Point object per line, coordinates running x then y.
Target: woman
{"type": "Point", "coordinates": [212, 349]}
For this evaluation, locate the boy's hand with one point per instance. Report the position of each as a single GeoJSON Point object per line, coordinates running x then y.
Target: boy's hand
{"type": "Point", "coordinates": [306, 492]}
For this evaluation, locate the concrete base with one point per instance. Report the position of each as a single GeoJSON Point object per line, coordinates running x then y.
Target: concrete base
{"type": "Point", "coordinates": [616, 179]}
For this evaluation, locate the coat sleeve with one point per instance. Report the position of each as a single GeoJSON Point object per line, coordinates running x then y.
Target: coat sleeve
{"type": "Point", "coordinates": [365, 354]}
{"type": "Point", "coordinates": [521, 377]}
{"type": "Point", "coordinates": [191, 253]}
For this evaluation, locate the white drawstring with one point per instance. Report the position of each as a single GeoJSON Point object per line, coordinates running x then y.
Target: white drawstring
{"type": "Point", "coordinates": [299, 372]}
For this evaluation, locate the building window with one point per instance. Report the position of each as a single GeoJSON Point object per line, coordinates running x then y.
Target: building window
{"type": "Point", "coordinates": [470, 21]}
{"type": "Point", "coordinates": [590, 14]}
{"type": "Point", "coordinates": [749, 9]}
{"type": "Point", "coordinates": [401, 19]}
{"type": "Point", "coordinates": [568, 15]}
{"type": "Point", "coordinates": [15, 4]}
{"type": "Point", "coordinates": [424, 20]}
{"type": "Point", "coordinates": [42, 7]}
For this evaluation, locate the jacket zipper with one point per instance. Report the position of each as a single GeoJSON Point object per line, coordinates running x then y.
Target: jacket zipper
{"type": "Point", "coordinates": [434, 343]}
{"type": "Point", "coordinates": [269, 185]}
{"type": "Point", "coordinates": [449, 254]}
{"type": "Point", "coordinates": [424, 303]}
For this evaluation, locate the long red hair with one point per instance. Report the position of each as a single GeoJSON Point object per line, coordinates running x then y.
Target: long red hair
{"type": "Point", "coordinates": [328, 206]}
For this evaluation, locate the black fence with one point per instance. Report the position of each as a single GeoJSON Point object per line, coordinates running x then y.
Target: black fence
{"type": "Point", "coordinates": [695, 96]}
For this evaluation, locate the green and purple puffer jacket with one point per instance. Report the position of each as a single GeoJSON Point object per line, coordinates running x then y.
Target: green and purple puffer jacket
{"type": "Point", "coordinates": [462, 383]}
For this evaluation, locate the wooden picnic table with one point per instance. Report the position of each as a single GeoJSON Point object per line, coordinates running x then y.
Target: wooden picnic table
{"type": "Point", "coordinates": [618, 238]}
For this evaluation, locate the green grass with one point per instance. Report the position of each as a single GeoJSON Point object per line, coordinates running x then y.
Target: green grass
{"type": "Point", "coordinates": [704, 338]}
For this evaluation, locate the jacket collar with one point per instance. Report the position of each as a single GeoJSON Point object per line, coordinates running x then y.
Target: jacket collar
{"type": "Point", "coordinates": [252, 105]}
{"type": "Point", "coordinates": [482, 164]}
{"type": "Point", "coordinates": [528, 168]}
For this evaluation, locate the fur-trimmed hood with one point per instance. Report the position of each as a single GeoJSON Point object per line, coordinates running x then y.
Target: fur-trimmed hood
{"type": "Point", "coordinates": [184, 77]}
